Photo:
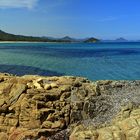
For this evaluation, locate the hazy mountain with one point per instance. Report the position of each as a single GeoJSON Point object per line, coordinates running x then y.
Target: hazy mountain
{"type": "Point", "coordinates": [68, 39]}
{"type": "Point", "coordinates": [11, 37]}
{"type": "Point", "coordinates": [121, 39]}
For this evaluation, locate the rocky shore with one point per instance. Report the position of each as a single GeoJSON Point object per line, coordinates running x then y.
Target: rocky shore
{"type": "Point", "coordinates": [62, 108]}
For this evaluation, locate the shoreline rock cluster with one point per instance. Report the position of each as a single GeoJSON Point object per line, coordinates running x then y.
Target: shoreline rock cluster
{"type": "Point", "coordinates": [62, 108]}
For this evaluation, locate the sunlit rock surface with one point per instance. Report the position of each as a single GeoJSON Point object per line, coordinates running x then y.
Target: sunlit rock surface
{"type": "Point", "coordinates": [61, 108]}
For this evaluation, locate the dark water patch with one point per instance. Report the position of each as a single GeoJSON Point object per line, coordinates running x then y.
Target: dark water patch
{"type": "Point", "coordinates": [76, 52]}
{"type": "Point", "coordinates": [82, 53]}
{"type": "Point", "coordinates": [27, 70]}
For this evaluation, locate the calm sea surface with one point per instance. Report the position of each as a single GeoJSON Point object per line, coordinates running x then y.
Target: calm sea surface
{"type": "Point", "coordinates": [95, 61]}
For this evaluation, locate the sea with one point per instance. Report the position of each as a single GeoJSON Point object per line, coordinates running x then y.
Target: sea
{"type": "Point", "coordinates": [95, 61]}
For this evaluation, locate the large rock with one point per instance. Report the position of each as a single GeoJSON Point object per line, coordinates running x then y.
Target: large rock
{"type": "Point", "coordinates": [35, 107]}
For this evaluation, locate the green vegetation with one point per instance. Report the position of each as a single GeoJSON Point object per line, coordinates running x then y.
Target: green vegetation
{"type": "Point", "coordinates": [11, 37]}
{"type": "Point", "coordinates": [92, 40]}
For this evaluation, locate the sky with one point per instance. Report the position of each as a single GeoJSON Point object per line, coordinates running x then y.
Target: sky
{"type": "Point", "coordinates": [103, 19]}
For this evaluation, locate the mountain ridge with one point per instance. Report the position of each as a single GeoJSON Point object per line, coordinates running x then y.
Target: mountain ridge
{"type": "Point", "coordinates": [12, 37]}
{"type": "Point", "coordinates": [4, 36]}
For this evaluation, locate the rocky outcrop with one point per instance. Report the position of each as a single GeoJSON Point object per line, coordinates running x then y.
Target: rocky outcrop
{"type": "Point", "coordinates": [124, 127]}
{"type": "Point", "coordinates": [59, 108]}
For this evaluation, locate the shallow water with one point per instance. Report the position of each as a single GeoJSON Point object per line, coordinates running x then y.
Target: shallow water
{"type": "Point", "coordinates": [95, 61]}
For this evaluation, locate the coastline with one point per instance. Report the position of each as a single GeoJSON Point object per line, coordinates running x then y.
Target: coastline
{"type": "Point", "coordinates": [40, 107]}
{"type": "Point", "coordinates": [4, 42]}
{"type": "Point", "coordinates": [24, 42]}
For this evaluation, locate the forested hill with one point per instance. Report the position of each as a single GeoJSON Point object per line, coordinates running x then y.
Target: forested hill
{"type": "Point", "coordinates": [11, 37]}
{"type": "Point", "coordinates": [92, 40]}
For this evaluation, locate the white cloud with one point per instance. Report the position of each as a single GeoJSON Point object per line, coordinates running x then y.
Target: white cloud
{"type": "Point", "coordinates": [17, 3]}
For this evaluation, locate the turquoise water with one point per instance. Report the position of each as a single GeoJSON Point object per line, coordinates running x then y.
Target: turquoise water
{"type": "Point", "coordinates": [95, 61]}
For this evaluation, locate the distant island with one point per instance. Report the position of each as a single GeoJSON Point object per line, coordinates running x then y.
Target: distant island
{"type": "Point", "coordinates": [11, 37]}
{"type": "Point", "coordinates": [92, 40]}
{"type": "Point", "coordinates": [121, 39]}
{"type": "Point", "coordinates": [4, 37]}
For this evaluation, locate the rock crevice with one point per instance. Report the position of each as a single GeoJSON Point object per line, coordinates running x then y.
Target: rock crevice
{"type": "Point", "coordinates": [39, 108]}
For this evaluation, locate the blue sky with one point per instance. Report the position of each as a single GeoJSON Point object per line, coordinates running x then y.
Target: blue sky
{"type": "Point", "coordinates": [104, 19]}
